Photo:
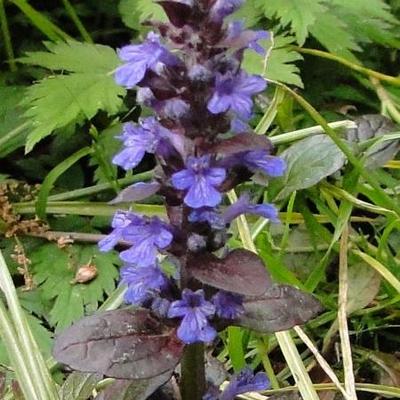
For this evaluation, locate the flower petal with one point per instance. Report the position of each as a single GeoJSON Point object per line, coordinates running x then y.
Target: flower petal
{"type": "Point", "coordinates": [183, 179]}
{"type": "Point", "coordinates": [202, 194]}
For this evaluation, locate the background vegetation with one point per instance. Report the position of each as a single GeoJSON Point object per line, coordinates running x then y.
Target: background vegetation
{"type": "Point", "coordinates": [60, 111]}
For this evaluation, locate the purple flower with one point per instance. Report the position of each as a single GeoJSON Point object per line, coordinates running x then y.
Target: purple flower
{"type": "Point", "coordinates": [147, 137]}
{"type": "Point", "coordinates": [160, 306]}
{"type": "Point", "coordinates": [243, 206]}
{"type": "Point", "coordinates": [245, 382]}
{"type": "Point", "coordinates": [200, 180]}
{"type": "Point", "coordinates": [142, 282]}
{"type": "Point", "coordinates": [146, 97]}
{"type": "Point", "coordinates": [260, 160]}
{"type": "Point", "coordinates": [234, 93]}
{"type": "Point", "coordinates": [175, 108]}
{"type": "Point", "coordinates": [199, 73]}
{"type": "Point", "coordinates": [212, 393]}
{"type": "Point", "coordinates": [223, 8]}
{"type": "Point", "coordinates": [121, 221]}
{"type": "Point", "coordinates": [195, 311]}
{"type": "Point", "coordinates": [228, 305]}
{"type": "Point", "coordinates": [238, 126]}
{"type": "Point", "coordinates": [146, 239]}
{"type": "Point", "coordinates": [209, 215]}
{"type": "Point", "coordinates": [140, 58]}
{"type": "Point", "coordinates": [240, 38]}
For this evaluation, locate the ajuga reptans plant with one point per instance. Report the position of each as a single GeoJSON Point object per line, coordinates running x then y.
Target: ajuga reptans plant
{"type": "Point", "coordinates": [188, 71]}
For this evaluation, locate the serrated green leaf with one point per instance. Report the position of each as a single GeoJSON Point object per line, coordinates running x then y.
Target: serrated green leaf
{"type": "Point", "coordinates": [299, 14]}
{"type": "Point", "coordinates": [134, 12]}
{"type": "Point", "coordinates": [54, 270]}
{"type": "Point", "coordinates": [57, 101]}
{"type": "Point", "coordinates": [60, 100]}
{"type": "Point", "coordinates": [279, 64]}
{"type": "Point", "coordinates": [332, 33]}
{"type": "Point", "coordinates": [13, 126]}
{"type": "Point", "coordinates": [250, 13]}
{"type": "Point", "coordinates": [74, 56]}
{"type": "Point", "coordinates": [378, 9]}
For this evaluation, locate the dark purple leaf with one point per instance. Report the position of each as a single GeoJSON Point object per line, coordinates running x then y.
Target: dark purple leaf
{"type": "Point", "coordinates": [279, 309]}
{"type": "Point", "coordinates": [138, 191]}
{"type": "Point", "coordinates": [178, 13]}
{"type": "Point", "coordinates": [123, 344]}
{"type": "Point", "coordinates": [241, 271]}
{"type": "Point", "coordinates": [140, 389]}
{"type": "Point", "coordinates": [241, 143]}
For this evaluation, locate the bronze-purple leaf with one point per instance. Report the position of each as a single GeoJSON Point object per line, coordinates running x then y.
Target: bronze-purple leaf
{"type": "Point", "coordinates": [140, 389]}
{"type": "Point", "coordinates": [241, 143]}
{"type": "Point", "coordinates": [122, 344]}
{"type": "Point", "coordinates": [241, 271]}
{"type": "Point", "coordinates": [280, 308]}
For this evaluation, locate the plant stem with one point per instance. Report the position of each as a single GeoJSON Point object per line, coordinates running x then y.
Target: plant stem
{"type": "Point", "coordinates": [193, 372]}
{"type": "Point", "coordinates": [14, 133]}
{"type": "Point", "coordinates": [306, 132]}
{"type": "Point", "coordinates": [356, 67]}
{"type": "Point", "coordinates": [87, 191]}
{"type": "Point", "coordinates": [7, 38]}
{"type": "Point", "coordinates": [76, 20]}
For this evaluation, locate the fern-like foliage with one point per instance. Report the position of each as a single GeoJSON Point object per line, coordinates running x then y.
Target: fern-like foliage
{"type": "Point", "coordinates": [54, 270]}
{"type": "Point", "coordinates": [339, 25]}
{"type": "Point", "coordinates": [134, 12]}
{"type": "Point", "coordinates": [84, 87]}
{"type": "Point", "coordinates": [279, 63]}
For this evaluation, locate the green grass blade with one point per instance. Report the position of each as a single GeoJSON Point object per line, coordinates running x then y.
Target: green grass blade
{"type": "Point", "coordinates": [41, 22]}
{"type": "Point", "coordinates": [41, 378]}
{"type": "Point", "coordinates": [53, 175]}
{"type": "Point", "coordinates": [285, 341]}
{"type": "Point", "coordinates": [10, 339]}
{"type": "Point", "coordinates": [235, 347]}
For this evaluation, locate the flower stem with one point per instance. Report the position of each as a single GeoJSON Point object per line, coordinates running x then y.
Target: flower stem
{"type": "Point", "coordinates": [7, 38]}
{"type": "Point", "coordinates": [393, 80]}
{"type": "Point", "coordinates": [193, 372]}
{"type": "Point", "coordinates": [76, 20]}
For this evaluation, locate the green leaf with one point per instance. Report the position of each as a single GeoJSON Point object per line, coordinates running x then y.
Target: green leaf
{"type": "Point", "coordinates": [13, 126]}
{"type": "Point", "coordinates": [108, 145]}
{"type": "Point", "coordinates": [308, 162]}
{"type": "Point", "coordinates": [279, 64]}
{"type": "Point", "coordinates": [42, 336]}
{"type": "Point", "coordinates": [332, 33]}
{"type": "Point", "coordinates": [40, 21]}
{"type": "Point", "coordinates": [51, 178]}
{"type": "Point", "coordinates": [73, 56]}
{"type": "Point", "coordinates": [364, 283]}
{"type": "Point", "coordinates": [60, 100]}
{"type": "Point", "coordinates": [134, 12]}
{"type": "Point", "coordinates": [299, 14]}
{"type": "Point", "coordinates": [54, 270]}
{"type": "Point", "coordinates": [368, 21]}
{"type": "Point", "coordinates": [250, 13]}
